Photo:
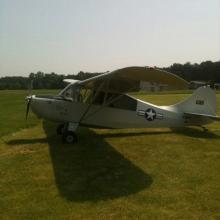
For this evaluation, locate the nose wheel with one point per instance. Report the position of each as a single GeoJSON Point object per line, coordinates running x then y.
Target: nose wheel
{"type": "Point", "coordinates": [67, 131]}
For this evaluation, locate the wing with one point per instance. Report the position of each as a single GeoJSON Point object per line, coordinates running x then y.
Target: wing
{"type": "Point", "coordinates": [130, 79]}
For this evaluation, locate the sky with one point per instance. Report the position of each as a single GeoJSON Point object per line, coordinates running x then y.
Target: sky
{"type": "Point", "coordinates": [68, 36]}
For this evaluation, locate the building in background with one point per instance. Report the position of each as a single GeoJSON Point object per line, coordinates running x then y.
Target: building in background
{"type": "Point", "coordinates": [153, 87]}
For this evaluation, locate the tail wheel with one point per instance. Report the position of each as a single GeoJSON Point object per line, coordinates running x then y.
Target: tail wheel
{"type": "Point", "coordinates": [69, 137]}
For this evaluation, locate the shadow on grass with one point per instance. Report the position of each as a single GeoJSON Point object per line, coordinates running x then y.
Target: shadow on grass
{"type": "Point", "coordinates": [131, 134]}
{"type": "Point", "coordinates": [92, 170]}
{"type": "Point", "coordinates": [195, 132]}
{"type": "Point", "coordinates": [187, 131]}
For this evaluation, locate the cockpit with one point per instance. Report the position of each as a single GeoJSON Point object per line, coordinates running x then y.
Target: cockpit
{"type": "Point", "coordinates": [75, 93]}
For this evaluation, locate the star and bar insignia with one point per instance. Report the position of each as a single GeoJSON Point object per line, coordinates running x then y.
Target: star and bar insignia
{"type": "Point", "coordinates": [150, 114]}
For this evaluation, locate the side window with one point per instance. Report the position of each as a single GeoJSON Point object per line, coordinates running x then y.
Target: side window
{"type": "Point", "coordinates": [123, 102]}
{"type": "Point", "coordinates": [114, 100]}
{"type": "Point", "coordinates": [99, 98]}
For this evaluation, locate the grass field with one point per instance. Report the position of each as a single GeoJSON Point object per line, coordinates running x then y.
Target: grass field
{"type": "Point", "coordinates": [109, 174]}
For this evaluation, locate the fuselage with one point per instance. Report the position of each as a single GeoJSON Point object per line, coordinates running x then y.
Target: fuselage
{"type": "Point", "coordinates": [138, 115]}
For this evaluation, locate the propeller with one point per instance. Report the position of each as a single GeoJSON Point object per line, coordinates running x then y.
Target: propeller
{"type": "Point", "coordinates": [28, 98]}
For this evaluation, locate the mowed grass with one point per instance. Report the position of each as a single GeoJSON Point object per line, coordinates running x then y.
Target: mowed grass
{"type": "Point", "coordinates": [109, 174]}
{"type": "Point", "coordinates": [13, 110]}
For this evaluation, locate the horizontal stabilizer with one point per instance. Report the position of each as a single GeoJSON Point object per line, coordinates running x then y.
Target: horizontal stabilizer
{"type": "Point", "coordinates": [205, 116]}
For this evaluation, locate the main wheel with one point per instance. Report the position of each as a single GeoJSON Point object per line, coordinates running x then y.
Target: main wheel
{"type": "Point", "coordinates": [69, 137]}
{"type": "Point", "coordinates": [60, 129]}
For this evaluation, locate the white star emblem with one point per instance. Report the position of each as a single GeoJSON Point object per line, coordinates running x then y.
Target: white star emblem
{"type": "Point", "coordinates": [150, 114]}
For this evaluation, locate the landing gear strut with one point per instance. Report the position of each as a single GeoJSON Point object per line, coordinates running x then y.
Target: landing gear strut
{"type": "Point", "coordinates": [67, 131]}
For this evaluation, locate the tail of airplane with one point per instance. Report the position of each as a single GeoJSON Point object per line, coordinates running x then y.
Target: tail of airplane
{"type": "Point", "coordinates": [201, 105]}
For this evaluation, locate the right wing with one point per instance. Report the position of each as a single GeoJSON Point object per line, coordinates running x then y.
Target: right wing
{"type": "Point", "coordinates": [129, 79]}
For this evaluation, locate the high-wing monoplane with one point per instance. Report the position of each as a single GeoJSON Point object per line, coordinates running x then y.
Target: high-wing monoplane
{"type": "Point", "coordinates": [103, 101]}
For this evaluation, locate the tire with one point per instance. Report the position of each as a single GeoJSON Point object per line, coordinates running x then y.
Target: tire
{"type": "Point", "coordinates": [60, 129]}
{"type": "Point", "coordinates": [69, 137]}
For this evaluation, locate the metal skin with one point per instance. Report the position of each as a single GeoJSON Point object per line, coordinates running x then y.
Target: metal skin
{"type": "Point", "coordinates": [146, 115]}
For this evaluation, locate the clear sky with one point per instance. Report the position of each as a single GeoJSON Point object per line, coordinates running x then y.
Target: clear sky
{"type": "Point", "coordinates": [66, 36]}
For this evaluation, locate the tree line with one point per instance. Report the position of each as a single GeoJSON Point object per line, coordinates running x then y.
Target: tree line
{"type": "Point", "coordinates": [40, 80]}
{"type": "Point", "coordinates": [205, 71]}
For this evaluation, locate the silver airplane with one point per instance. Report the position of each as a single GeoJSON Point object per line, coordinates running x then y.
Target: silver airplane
{"type": "Point", "coordinates": [103, 102]}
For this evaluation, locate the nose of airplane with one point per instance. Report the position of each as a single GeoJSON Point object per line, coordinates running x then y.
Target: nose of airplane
{"type": "Point", "coordinates": [41, 106]}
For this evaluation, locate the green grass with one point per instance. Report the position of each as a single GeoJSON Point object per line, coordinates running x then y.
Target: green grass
{"type": "Point", "coordinates": [13, 110]}
{"type": "Point", "coordinates": [109, 174]}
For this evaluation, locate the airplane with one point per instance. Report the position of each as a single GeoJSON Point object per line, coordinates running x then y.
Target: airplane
{"type": "Point", "coordinates": [103, 101]}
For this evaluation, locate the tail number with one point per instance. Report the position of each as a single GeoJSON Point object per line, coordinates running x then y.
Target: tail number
{"type": "Point", "coordinates": [200, 102]}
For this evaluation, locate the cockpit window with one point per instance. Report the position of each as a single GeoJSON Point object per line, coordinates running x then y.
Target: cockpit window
{"type": "Point", "coordinates": [75, 94]}
{"type": "Point", "coordinates": [71, 93]}
{"type": "Point", "coordinates": [114, 100]}
{"type": "Point", "coordinates": [68, 94]}
{"type": "Point", "coordinates": [124, 102]}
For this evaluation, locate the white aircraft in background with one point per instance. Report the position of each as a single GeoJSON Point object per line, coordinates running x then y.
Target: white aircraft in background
{"type": "Point", "coordinates": [102, 102]}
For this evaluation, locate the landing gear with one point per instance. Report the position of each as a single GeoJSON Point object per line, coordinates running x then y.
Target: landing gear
{"type": "Point", "coordinates": [69, 137]}
{"type": "Point", "coordinates": [67, 131]}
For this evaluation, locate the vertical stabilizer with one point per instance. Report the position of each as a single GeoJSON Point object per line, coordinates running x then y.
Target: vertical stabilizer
{"type": "Point", "coordinates": [202, 101]}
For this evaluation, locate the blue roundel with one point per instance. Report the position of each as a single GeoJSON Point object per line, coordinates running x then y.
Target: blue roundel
{"type": "Point", "coordinates": [150, 114]}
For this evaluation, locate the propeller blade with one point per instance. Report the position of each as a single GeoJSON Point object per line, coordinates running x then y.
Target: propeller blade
{"type": "Point", "coordinates": [29, 98]}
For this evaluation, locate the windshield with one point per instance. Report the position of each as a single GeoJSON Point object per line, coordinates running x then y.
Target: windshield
{"type": "Point", "coordinates": [76, 94]}
{"type": "Point", "coordinates": [71, 93]}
